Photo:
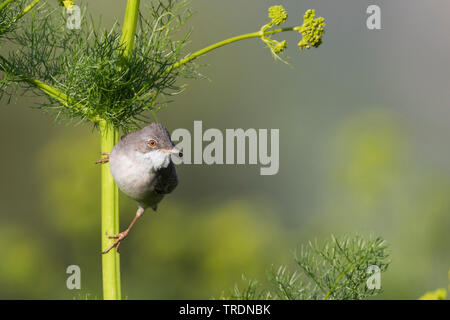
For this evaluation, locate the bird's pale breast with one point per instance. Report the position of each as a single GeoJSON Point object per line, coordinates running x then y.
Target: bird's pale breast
{"type": "Point", "coordinates": [135, 178]}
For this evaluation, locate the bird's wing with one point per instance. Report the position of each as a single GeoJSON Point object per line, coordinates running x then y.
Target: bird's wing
{"type": "Point", "coordinates": [167, 179]}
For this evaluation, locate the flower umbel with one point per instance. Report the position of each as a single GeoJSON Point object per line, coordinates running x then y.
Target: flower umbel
{"type": "Point", "coordinates": [278, 15]}
{"type": "Point", "coordinates": [439, 294]}
{"type": "Point", "coordinates": [280, 46]}
{"type": "Point", "coordinates": [66, 3]}
{"type": "Point", "coordinates": [312, 30]}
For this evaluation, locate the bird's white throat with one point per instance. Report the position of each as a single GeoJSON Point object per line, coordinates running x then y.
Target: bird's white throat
{"type": "Point", "coordinates": [155, 159]}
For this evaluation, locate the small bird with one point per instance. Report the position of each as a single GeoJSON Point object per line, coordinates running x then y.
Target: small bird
{"type": "Point", "coordinates": [142, 167]}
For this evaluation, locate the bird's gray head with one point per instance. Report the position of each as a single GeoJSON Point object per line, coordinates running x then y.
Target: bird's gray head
{"type": "Point", "coordinates": [153, 145]}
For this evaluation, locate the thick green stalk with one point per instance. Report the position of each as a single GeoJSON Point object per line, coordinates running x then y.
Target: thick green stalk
{"type": "Point", "coordinates": [129, 26]}
{"type": "Point", "coordinates": [110, 202]}
{"type": "Point", "coordinates": [110, 217]}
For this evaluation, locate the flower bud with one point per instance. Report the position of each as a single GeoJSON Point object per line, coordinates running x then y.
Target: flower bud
{"type": "Point", "coordinates": [278, 14]}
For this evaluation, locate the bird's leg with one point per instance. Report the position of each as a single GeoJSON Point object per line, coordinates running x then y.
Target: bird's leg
{"type": "Point", "coordinates": [105, 159]}
{"type": "Point", "coordinates": [122, 235]}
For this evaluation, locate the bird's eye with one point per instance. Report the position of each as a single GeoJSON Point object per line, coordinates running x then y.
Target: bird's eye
{"type": "Point", "coordinates": [152, 143]}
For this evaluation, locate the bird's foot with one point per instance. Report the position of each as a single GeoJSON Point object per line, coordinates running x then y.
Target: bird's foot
{"type": "Point", "coordinates": [103, 160]}
{"type": "Point", "coordinates": [120, 237]}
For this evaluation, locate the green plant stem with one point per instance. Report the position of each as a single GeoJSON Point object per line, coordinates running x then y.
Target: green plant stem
{"type": "Point", "coordinates": [27, 9]}
{"type": "Point", "coordinates": [216, 45]}
{"type": "Point", "coordinates": [222, 43]}
{"type": "Point", "coordinates": [337, 281]}
{"type": "Point", "coordinates": [110, 216]}
{"type": "Point", "coordinates": [4, 4]}
{"type": "Point", "coordinates": [64, 99]}
{"type": "Point", "coordinates": [110, 203]}
{"type": "Point", "coordinates": [129, 27]}
{"type": "Point", "coordinates": [53, 93]}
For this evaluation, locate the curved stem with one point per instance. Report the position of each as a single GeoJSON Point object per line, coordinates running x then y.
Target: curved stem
{"type": "Point", "coordinates": [222, 43]}
{"type": "Point", "coordinates": [214, 46]}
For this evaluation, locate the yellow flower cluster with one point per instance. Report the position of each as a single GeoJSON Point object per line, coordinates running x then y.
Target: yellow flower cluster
{"type": "Point", "coordinates": [66, 3]}
{"type": "Point", "coordinates": [278, 15]}
{"type": "Point", "coordinates": [439, 294]}
{"type": "Point", "coordinates": [312, 30]}
{"type": "Point", "coordinates": [278, 47]}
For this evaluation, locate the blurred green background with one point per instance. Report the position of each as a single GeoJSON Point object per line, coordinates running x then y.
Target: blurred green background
{"type": "Point", "coordinates": [364, 125]}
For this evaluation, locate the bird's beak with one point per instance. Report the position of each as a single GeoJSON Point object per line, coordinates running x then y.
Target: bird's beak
{"type": "Point", "coordinates": [174, 150]}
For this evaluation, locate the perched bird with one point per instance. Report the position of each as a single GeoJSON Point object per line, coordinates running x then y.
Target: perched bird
{"type": "Point", "coordinates": [142, 167]}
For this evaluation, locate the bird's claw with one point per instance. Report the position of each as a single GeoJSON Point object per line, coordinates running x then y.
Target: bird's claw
{"type": "Point", "coordinates": [120, 237]}
{"type": "Point", "coordinates": [102, 160]}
